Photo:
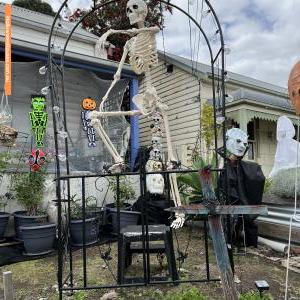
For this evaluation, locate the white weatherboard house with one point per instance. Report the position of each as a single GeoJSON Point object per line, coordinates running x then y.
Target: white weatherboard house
{"type": "Point", "coordinates": [255, 108]}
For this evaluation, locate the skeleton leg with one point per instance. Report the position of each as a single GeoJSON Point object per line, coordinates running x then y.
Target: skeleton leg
{"type": "Point", "coordinates": [180, 218]}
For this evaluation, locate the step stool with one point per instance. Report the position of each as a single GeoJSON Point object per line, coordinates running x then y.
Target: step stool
{"type": "Point", "coordinates": [130, 242]}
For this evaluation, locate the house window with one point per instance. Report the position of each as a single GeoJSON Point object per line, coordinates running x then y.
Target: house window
{"type": "Point", "coordinates": [251, 129]}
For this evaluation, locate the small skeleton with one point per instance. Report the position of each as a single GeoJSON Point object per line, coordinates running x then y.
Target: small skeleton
{"type": "Point", "coordinates": [88, 105]}
{"type": "Point", "coordinates": [38, 118]}
{"type": "Point", "coordinates": [142, 52]}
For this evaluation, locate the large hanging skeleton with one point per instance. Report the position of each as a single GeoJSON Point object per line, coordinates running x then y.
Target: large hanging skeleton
{"type": "Point", "coordinates": [142, 52]}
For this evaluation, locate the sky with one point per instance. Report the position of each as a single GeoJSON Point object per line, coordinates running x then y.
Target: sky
{"type": "Point", "coordinates": [263, 35]}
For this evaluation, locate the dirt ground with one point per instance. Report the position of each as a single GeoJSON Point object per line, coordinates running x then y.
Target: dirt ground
{"type": "Point", "coordinates": [36, 279]}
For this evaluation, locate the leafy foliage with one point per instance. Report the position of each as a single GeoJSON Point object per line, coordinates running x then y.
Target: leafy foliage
{"type": "Point", "coordinates": [76, 206]}
{"type": "Point", "coordinates": [4, 160]}
{"type": "Point", "coordinates": [255, 296]}
{"type": "Point", "coordinates": [207, 125]}
{"type": "Point", "coordinates": [28, 189]}
{"type": "Point", "coordinates": [188, 294]}
{"type": "Point", "coordinates": [35, 5]}
{"type": "Point", "coordinates": [189, 183]}
{"type": "Point", "coordinates": [126, 190]}
{"type": "Point", "coordinates": [113, 16]}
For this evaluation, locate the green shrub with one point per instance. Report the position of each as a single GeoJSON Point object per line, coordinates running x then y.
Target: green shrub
{"type": "Point", "coordinates": [188, 294]}
{"type": "Point", "coordinates": [28, 189]}
{"type": "Point", "coordinates": [252, 295]}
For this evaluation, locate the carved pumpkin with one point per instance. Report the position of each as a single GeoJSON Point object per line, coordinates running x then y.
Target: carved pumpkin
{"type": "Point", "coordinates": [88, 104]}
{"type": "Point", "coordinates": [294, 87]}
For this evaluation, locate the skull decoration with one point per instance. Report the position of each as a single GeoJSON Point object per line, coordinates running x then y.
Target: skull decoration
{"type": "Point", "coordinates": [236, 142]}
{"type": "Point", "coordinates": [153, 165]}
{"type": "Point", "coordinates": [156, 142]}
{"type": "Point", "coordinates": [155, 154]}
{"type": "Point", "coordinates": [136, 11]}
{"type": "Point", "coordinates": [155, 183]}
{"type": "Point", "coordinates": [294, 87]}
{"type": "Point", "coordinates": [36, 159]}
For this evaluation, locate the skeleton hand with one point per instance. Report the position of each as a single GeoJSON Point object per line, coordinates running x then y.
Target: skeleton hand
{"type": "Point", "coordinates": [117, 76]}
{"type": "Point", "coordinates": [102, 43]}
{"type": "Point", "coordinates": [179, 221]}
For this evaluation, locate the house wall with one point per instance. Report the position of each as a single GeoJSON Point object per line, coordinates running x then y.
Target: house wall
{"type": "Point", "coordinates": [266, 138]}
{"type": "Point", "coordinates": [180, 91]}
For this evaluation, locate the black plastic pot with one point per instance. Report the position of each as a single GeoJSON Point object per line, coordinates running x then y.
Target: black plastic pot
{"type": "Point", "coordinates": [127, 217]}
{"type": "Point", "coordinates": [38, 239]}
{"type": "Point", "coordinates": [3, 223]}
{"type": "Point", "coordinates": [91, 231]}
{"type": "Point", "coordinates": [21, 219]}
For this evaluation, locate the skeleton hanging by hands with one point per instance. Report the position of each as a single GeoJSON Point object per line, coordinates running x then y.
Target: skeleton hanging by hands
{"type": "Point", "coordinates": [142, 52]}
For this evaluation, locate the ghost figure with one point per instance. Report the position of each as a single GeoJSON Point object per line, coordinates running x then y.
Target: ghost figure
{"type": "Point", "coordinates": [286, 151]}
{"type": "Point", "coordinates": [236, 142]}
{"type": "Point", "coordinates": [155, 184]}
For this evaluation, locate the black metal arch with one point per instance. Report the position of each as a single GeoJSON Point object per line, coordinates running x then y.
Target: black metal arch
{"type": "Point", "coordinates": [52, 65]}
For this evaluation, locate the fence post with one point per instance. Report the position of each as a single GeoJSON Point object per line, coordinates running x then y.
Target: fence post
{"type": "Point", "coordinates": [8, 286]}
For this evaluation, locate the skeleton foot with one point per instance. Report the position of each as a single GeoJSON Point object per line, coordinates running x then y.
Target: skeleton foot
{"type": "Point", "coordinates": [179, 221]}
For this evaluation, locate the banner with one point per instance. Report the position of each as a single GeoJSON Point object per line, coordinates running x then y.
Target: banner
{"type": "Point", "coordinates": [7, 39]}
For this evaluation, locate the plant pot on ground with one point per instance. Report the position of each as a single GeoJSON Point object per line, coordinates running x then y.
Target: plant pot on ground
{"type": "Point", "coordinates": [28, 190]}
{"type": "Point", "coordinates": [125, 193]}
{"type": "Point", "coordinates": [90, 235]}
{"type": "Point", "coordinates": [4, 217]}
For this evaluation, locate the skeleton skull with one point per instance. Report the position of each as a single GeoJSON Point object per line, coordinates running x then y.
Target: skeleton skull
{"type": "Point", "coordinates": [153, 165]}
{"type": "Point", "coordinates": [155, 183]}
{"type": "Point", "coordinates": [156, 141]}
{"type": "Point", "coordinates": [236, 141]}
{"type": "Point", "coordinates": [136, 11]}
{"type": "Point", "coordinates": [155, 154]}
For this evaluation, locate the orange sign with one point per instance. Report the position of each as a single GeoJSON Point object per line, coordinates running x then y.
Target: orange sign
{"type": "Point", "coordinates": [7, 39]}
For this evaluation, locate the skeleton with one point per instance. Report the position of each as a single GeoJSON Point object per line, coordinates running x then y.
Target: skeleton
{"type": "Point", "coordinates": [142, 52]}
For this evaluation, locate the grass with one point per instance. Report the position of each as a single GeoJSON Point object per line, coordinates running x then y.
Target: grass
{"type": "Point", "coordinates": [37, 278]}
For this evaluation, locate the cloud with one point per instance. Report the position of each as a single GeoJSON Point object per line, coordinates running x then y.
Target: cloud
{"type": "Point", "coordinates": [263, 35]}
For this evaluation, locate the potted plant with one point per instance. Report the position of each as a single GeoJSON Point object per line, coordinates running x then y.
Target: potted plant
{"type": "Point", "coordinates": [126, 193]}
{"type": "Point", "coordinates": [31, 224]}
{"type": "Point", "coordinates": [92, 217]}
{"type": "Point", "coordinates": [4, 217]}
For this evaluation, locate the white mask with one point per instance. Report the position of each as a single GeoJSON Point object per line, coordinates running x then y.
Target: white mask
{"type": "Point", "coordinates": [236, 141]}
{"type": "Point", "coordinates": [155, 183]}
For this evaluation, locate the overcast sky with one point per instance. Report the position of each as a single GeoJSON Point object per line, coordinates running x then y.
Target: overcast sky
{"type": "Point", "coordinates": [263, 35]}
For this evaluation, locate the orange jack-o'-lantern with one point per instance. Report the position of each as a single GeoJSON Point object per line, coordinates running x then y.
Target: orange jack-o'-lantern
{"type": "Point", "coordinates": [294, 87]}
{"type": "Point", "coordinates": [88, 104]}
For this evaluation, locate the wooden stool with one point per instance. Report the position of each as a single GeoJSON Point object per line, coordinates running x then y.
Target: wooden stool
{"type": "Point", "coordinates": [130, 242]}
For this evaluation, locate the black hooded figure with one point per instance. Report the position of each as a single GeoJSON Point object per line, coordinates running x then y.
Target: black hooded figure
{"type": "Point", "coordinates": [244, 181]}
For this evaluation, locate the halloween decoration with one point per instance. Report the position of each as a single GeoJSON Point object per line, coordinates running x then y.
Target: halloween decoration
{"type": "Point", "coordinates": [36, 159]}
{"type": "Point", "coordinates": [142, 52]}
{"type": "Point", "coordinates": [8, 135]}
{"type": "Point", "coordinates": [286, 151]}
{"type": "Point", "coordinates": [38, 118]}
{"type": "Point", "coordinates": [88, 105]}
{"type": "Point", "coordinates": [236, 142]}
{"type": "Point", "coordinates": [5, 111]}
{"type": "Point", "coordinates": [244, 182]}
{"type": "Point", "coordinates": [294, 87]}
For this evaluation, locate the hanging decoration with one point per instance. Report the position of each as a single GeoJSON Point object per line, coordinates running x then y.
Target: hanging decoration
{"type": "Point", "coordinates": [36, 159]}
{"type": "Point", "coordinates": [294, 87]}
{"type": "Point", "coordinates": [5, 111]}
{"type": "Point", "coordinates": [38, 118]}
{"type": "Point", "coordinates": [88, 105]}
